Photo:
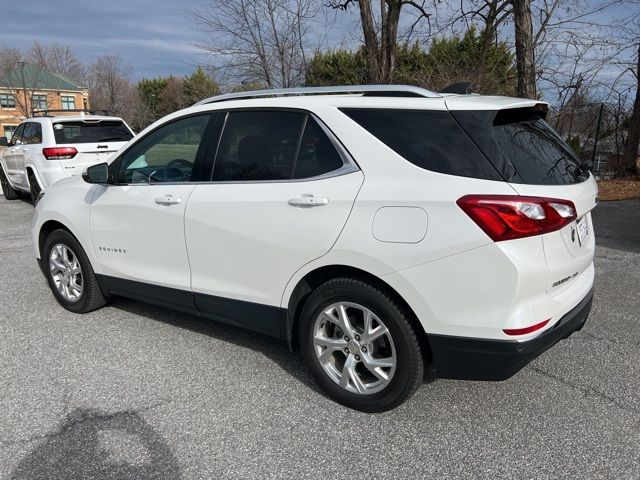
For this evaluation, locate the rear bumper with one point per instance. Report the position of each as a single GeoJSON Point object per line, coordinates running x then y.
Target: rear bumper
{"type": "Point", "coordinates": [481, 359]}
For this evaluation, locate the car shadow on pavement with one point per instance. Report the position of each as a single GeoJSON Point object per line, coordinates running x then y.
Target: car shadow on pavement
{"type": "Point", "coordinates": [96, 444]}
{"type": "Point", "coordinates": [274, 349]}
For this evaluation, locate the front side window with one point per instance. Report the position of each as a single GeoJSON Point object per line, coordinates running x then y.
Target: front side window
{"type": "Point", "coordinates": [68, 102]}
{"type": "Point", "coordinates": [39, 102]}
{"type": "Point", "coordinates": [166, 155]}
{"type": "Point", "coordinates": [16, 138]}
{"type": "Point", "coordinates": [7, 100]}
{"type": "Point", "coordinates": [273, 145]}
{"type": "Point", "coordinates": [32, 134]}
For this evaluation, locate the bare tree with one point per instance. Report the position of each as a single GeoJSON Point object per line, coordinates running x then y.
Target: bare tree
{"type": "Point", "coordinates": [109, 85]}
{"type": "Point", "coordinates": [633, 139]}
{"type": "Point", "coordinates": [57, 59]}
{"type": "Point", "coordinates": [381, 33]}
{"type": "Point", "coordinates": [525, 58]}
{"type": "Point", "coordinates": [9, 58]}
{"type": "Point", "coordinates": [263, 42]}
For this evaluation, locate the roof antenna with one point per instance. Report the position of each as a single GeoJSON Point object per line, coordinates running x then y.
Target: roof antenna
{"type": "Point", "coordinates": [462, 88]}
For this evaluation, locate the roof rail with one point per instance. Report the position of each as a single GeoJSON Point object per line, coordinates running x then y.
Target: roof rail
{"type": "Point", "coordinates": [366, 90]}
{"type": "Point", "coordinates": [47, 112]}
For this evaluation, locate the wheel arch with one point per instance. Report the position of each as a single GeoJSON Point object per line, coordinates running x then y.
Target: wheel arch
{"type": "Point", "coordinates": [47, 228]}
{"type": "Point", "coordinates": [319, 275]}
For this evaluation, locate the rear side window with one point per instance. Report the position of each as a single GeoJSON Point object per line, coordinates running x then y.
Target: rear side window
{"type": "Point", "coordinates": [91, 132]}
{"type": "Point", "coordinates": [32, 134]}
{"type": "Point", "coordinates": [522, 146]}
{"type": "Point", "coordinates": [432, 140]}
{"type": "Point", "coordinates": [273, 145]}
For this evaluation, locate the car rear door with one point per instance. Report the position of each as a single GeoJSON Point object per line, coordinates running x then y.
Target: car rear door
{"type": "Point", "coordinates": [95, 140]}
{"type": "Point", "coordinates": [281, 192]}
{"type": "Point", "coordinates": [137, 223]}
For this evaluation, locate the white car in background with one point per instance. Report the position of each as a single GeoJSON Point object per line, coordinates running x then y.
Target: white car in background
{"type": "Point", "coordinates": [45, 149]}
{"type": "Point", "coordinates": [383, 230]}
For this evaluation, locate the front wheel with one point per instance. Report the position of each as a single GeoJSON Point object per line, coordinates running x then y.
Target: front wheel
{"type": "Point", "coordinates": [360, 346]}
{"type": "Point", "coordinates": [69, 273]}
{"type": "Point", "coordinates": [7, 189]}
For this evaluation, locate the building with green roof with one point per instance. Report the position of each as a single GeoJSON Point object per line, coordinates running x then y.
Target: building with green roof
{"type": "Point", "coordinates": [28, 89]}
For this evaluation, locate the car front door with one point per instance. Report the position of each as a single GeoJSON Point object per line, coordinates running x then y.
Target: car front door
{"type": "Point", "coordinates": [137, 223]}
{"type": "Point", "coordinates": [31, 140]}
{"type": "Point", "coordinates": [281, 192]}
{"type": "Point", "coordinates": [10, 154]}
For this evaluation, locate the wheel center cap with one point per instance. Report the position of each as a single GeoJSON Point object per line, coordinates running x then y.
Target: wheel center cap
{"type": "Point", "coordinates": [354, 347]}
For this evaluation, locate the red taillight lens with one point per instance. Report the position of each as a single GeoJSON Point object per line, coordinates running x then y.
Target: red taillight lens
{"type": "Point", "coordinates": [507, 217]}
{"type": "Point", "coordinates": [59, 153]}
{"type": "Point", "coordinates": [525, 330]}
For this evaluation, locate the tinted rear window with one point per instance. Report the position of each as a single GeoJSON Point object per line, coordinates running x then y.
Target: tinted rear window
{"type": "Point", "coordinates": [91, 132]}
{"type": "Point", "coordinates": [432, 140]}
{"type": "Point", "coordinates": [522, 146]}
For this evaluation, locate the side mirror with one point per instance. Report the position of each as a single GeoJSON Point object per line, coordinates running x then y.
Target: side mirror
{"type": "Point", "coordinates": [4, 142]}
{"type": "Point", "coordinates": [97, 173]}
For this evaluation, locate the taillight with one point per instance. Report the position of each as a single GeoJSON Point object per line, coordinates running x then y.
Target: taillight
{"type": "Point", "coordinates": [59, 153]}
{"type": "Point", "coordinates": [507, 217]}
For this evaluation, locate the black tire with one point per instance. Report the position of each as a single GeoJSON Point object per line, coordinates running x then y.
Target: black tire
{"type": "Point", "coordinates": [7, 189]}
{"type": "Point", "coordinates": [34, 188]}
{"type": "Point", "coordinates": [91, 297]}
{"type": "Point", "coordinates": [409, 370]}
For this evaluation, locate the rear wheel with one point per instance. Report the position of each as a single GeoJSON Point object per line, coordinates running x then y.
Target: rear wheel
{"type": "Point", "coordinates": [7, 189]}
{"type": "Point", "coordinates": [360, 346]}
{"type": "Point", "coordinates": [69, 273]}
{"type": "Point", "coordinates": [34, 188]}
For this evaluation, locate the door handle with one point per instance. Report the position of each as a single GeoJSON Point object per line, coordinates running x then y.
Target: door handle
{"type": "Point", "coordinates": [168, 200]}
{"type": "Point", "coordinates": [308, 201]}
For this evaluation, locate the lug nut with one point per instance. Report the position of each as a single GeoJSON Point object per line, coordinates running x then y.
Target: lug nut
{"type": "Point", "coordinates": [358, 338]}
{"type": "Point", "coordinates": [357, 357]}
{"type": "Point", "coordinates": [346, 339]}
{"type": "Point", "coordinates": [364, 349]}
{"type": "Point", "coordinates": [346, 350]}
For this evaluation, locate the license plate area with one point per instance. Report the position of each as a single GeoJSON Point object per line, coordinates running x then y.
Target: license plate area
{"type": "Point", "coordinates": [583, 230]}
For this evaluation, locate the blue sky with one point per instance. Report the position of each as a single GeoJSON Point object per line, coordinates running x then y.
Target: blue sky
{"type": "Point", "coordinates": [154, 37]}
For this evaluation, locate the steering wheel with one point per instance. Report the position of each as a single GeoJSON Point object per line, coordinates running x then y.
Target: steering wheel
{"type": "Point", "coordinates": [180, 162]}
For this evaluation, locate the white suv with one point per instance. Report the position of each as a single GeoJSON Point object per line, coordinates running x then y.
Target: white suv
{"type": "Point", "coordinates": [385, 231]}
{"type": "Point", "coordinates": [45, 149]}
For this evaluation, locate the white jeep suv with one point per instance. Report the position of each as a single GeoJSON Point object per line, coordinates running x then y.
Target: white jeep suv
{"type": "Point", "coordinates": [386, 231]}
{"type": "Point", "coordinates": [45, 149]}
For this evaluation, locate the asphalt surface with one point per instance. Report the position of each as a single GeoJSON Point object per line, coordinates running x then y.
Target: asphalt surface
{"type": "Point", "coordinates": [137, 392]}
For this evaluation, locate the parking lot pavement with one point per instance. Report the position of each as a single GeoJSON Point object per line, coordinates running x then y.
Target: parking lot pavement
{"type": "Point", "coordinates": [134, 391]}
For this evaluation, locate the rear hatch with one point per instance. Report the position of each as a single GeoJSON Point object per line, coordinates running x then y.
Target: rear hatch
{"type": "Point", "coordinates": [94, 140]}
{"type": "Point", "coordinates": [536, 162]}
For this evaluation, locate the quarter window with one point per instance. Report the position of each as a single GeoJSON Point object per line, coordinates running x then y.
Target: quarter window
{"type": "Point", "coordinates": [166, 155]}
{"type": "Point", "coordinates": [429, 139]}
{"type": "Point", "coordinates": [273, 145]}
{"type": "Point", "coordinates": [7, 100]}
{"type": "Point", "coordinates": [39, 102]}
{"type": "Point", "coordinates": [68, 102]}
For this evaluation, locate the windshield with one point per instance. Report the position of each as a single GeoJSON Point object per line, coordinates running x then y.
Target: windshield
{"type": "Point", "coordinates": [91, 132]}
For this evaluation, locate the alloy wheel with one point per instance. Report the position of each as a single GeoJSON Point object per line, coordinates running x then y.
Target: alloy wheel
{"type": "Point", "coordinates": [354, 347]}
{"type": "Point", "coordinates": [66, 272]}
